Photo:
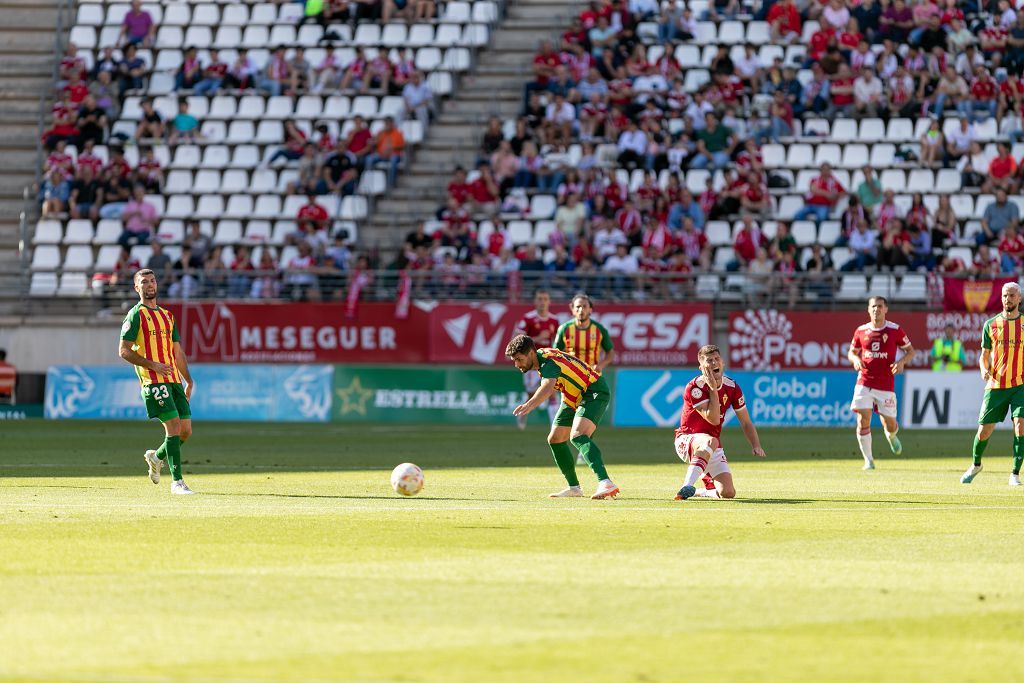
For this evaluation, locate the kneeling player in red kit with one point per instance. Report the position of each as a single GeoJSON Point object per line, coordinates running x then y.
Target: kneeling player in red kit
{"type": "Point", "coordinates": [700, 427]}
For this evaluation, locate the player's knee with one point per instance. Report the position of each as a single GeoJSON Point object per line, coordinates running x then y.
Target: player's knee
{"type": "Point", "coordinates": [727, 492]}
{"type": "Point", "coordinates": [184, 433]}
{"type": "Point", "coordinates": [173, 427]}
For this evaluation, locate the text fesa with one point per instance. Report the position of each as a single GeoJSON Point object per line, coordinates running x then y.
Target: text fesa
{"type": "Point", "coordinates": [309, 337]}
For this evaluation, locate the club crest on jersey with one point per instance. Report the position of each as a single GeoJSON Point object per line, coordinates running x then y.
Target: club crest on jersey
{"type": "Point", "coordinates": [695, 392]}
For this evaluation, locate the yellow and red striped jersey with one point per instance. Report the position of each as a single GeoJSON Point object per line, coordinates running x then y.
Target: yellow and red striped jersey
{"type": "Point", "coordinates": [572, 376]}
{"type": "Point", "coordinates": [152, 332]}
{"type": "Point", "coordinates": [1005, 338]}
{"type": "Point", "coordinates": [586, 343]}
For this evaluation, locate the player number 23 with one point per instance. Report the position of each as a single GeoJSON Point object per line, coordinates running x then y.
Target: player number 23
{"type": "Point", "coordinates": [160, 392]}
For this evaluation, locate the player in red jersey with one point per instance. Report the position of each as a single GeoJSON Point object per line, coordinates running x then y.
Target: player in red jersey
{"type": "Point", "coordinates": [698, 439]}
{"type": "Point", "coordinates": [873, 354]}
{"type": "Point", "coordinates": [540, 326]}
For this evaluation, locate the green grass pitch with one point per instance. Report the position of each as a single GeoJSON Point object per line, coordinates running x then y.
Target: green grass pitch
{"type": "Point", "coordinates": [296, 562]}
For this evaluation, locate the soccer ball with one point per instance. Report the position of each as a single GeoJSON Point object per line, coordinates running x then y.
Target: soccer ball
{"type": "Point", "coordinates": [407, 479]}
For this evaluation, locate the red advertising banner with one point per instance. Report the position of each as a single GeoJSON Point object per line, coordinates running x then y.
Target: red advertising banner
{"type": "Point", "coordinates": [642, 334]}
{"type": "Point", "coordinates": [300, 333]}
{"type": "Point", "coordinates": [975, 296]}
{"type": "Point", "coordinates": [802, 340]}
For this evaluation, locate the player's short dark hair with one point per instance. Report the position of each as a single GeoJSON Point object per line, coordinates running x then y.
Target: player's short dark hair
{"type": "Point", "coordinates": [541, 291]}
{"type": "Point", "coordinates": [140, 273]}
{"type": "Point", "coordinates": [581, 295]}
{"type": "Point", "coordinates": [520, 344]}
{"type": "Point", "coordinates": [878, 298]}
{"type": "Point", "coordinates": [3, 354]}
{"type": "Point", "coordinates": [708, 350]}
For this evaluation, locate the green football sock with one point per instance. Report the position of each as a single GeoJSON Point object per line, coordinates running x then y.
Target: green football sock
{"type": "Point", "coordinates": [591, 454]}
{"type": "Point", "coordinates": [1018, 453]}
{"type": "Point", "coordinates": [172, 448]}
{"type": "Point", "coordinates": [161, 453]}
{"type": "Point", "coordinates": [565, 462]}
{"type": "Point", "coordinates": [979, 448]}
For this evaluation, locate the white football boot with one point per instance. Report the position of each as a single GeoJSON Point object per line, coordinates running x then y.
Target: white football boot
{"type": "Point", "coordinates": [571, 492]}
{"type": "Point", "coordinates": [605, 489]}
{"type": "Point", "coordinates": [155, 465]}
{"type": "Point", "coordinates": [970, 474]}
{"type": "Point", "coordinates": [1014, 480]}
{"type": "Point", "coordinates": [180, 488]}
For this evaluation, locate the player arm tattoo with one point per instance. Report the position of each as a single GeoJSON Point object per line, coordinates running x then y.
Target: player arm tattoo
{"type": "Point", "coordinates": [125, 351]}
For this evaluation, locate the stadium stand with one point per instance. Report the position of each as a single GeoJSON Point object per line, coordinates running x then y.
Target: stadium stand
{"type": "Point", "coordinates": [230, 114]}
{"type": "Point", "coordinates": [809, 151]}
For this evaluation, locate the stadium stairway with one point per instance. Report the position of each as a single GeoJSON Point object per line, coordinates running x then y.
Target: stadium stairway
{"type": "Point", "coordinates": [27, 55]}
{"type": "Point", "coordinates": [493, 87]}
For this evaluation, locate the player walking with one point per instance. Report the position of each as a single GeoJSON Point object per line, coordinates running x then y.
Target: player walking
{"type": "Point", "coordinates": [698, 439]}
{"type": "Point", "coordinates": [873, 354]}
{"type": "Point", "coordinates": [1002, 368]}
{"type": "Point", "coordinates": [585, 397]}
{"type": "Point", "coordinates": [150, 341]}
{"type": "Point", "coordinates": [585, 338]}
{"type": "Point", "coordinates": [540, 326]}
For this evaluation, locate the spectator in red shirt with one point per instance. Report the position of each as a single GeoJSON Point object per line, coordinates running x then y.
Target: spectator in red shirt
{"type": "Point", "coordinates": [825, 191]}
{"type": "Point", "coordinates": [984, 97]}
{"type": "Point", "coordinates": [311, 218]}
{"type": "Point", "coordinates": [544, 64]}
{"type": "Point", "coordinates": [1001, 170]}
{"type": "Point", "coordinates": [458, 188]}
{"type": "Point", "coordinates": [1011, 249]}
{"type": "Point", "coordinates": [484, 192]}
{"type": "Point", "coordinates": [755, 194]}
{"type": "Point", "coordinates": [785, 21]}
{"type": "Point", "coordinates": [841, 92]}
{"type": "Point", "coordinates": [748, 240]}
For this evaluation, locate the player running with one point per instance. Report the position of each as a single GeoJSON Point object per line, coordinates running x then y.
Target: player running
{"type": "Point", "coordinates": [150, 341]}
{"type": "Point", "coordinates": [585, 338]}
{"type": "Point", "coordinates": [585, 397]}
{"type": "Point", "coordinates": [540, 326]}
{"type": "Point", "coordinates": [872, 353]}
{"type": "Point", "coordinates": [698, 439]}
{"type": "Point", "coordinates": [1002, 368]}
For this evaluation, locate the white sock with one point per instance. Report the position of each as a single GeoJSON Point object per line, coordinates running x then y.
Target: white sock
{"type": "Point", "coordinates": [694, 473]}
{"type": "Point", "coordinates": [864, 441]}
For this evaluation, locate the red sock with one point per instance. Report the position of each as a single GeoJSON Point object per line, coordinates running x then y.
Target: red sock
{"type": "Point", "coordinates": [709, 483]}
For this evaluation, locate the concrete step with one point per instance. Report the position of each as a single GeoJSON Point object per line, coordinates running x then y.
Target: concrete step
{"type": "Point", "coordinates": [553, 14]}
{"type": "Point", "coordinates": [27, 41]}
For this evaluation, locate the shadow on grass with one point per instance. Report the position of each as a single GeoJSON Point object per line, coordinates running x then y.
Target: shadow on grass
{"type": "Point", "coordinates": [381, 497]}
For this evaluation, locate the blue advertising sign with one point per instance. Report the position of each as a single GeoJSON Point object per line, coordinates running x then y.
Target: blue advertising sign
{"type": "Point", "coordinates": [798, 398]}
{"type": "Point", "coordinates": [270, 393]}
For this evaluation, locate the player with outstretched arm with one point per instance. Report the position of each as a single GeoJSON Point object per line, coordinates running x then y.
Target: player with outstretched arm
{"type": "Point", "coordinates": [151, 343]}
{"type": "Point", "coordinates": [585, 398]}
{"type": "Point", "coordinates": [872, 353]}
{"type": "Point", "coordinates": [540, 326]}
{"type": "Point", "coordinates": [707, 398]}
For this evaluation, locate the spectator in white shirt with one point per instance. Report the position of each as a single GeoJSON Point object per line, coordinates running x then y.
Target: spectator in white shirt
{"type": "Point", "coordinates": [607, 236]}
{"type": "Point", "coordinates": [624, 267]}
{"type": "Point", "coordinates": [863, 245]}
{"type": "Point", "coordinates": [418, 98]}
{"type": "Point", "coordinates": [632, 146]}
{"type": "Point", "coordinates": [559, 117]}
{"type": "Point", "coordinates": [958, 141]}
{"type": "Point", "coordinates": [867, 93]}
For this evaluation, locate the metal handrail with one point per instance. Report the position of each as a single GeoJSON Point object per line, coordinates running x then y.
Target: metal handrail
{"type": "Point", "coordinates": [775, 290]}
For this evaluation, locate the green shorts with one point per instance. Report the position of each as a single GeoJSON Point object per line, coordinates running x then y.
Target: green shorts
{"type": "Point", "coordinates": [998, 401]}
{"type": "Point", "coordinates": [595, 402]}
{"type": "Point", "coordinates": [166, 401]}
